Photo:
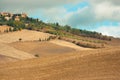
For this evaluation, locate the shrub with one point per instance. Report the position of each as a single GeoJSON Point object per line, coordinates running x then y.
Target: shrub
{"type": "Point", "coordinates": [20, 39]}
{"type": "Point", "coordinates": [48, 39]}
{"type": "Point", "coordinates": [40, 39]}
{"type": "Point", "coordinates": [73, 41]}
{"type": "Point", "coordinates": [36, 55]}
{"type": "Point", "coordinates": [87, 45]}
{"type": "Point", "coordinates": [59, 38]}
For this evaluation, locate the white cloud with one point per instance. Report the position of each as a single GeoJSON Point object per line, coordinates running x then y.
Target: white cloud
{"type": "Point", "coordinates": [53, 11]}
{"type": "Point", "coordinates": [25, 5]}
{"type": "Point", "coordinates": [100, 10]}
{"type": "Point", "coordinates": [109, 30]}
{"type": "Point", "coordinates": [107, 11]}
{"type": "Point", "coordinates": [80, 17]}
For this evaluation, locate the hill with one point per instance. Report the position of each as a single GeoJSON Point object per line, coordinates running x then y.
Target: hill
{"type": "Point", "coordinates": [22, 21]}
{"type": "Point", "coordinates": [67, 33]}
{"type": "Point", "coordinates": [34, 50]}
{"type": "Point", "coordinates": [88, 65]}
{"type": "Point", "coordinates": [13, 53]}
{"type": "Point", "coordinates": [32, 43]}
{"type": "Point", "coordinates": [25, 35]}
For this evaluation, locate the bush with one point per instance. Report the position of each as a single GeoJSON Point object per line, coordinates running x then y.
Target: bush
{"type": "Point", "coordinates": [40, 39]}
{"type": "Point", "coordinates": [36, 55]}
{"type": "Point", "coordinates": [59, 38]}
{"type": "Point", "coordinates": [48, 39]}
{"type": "Point", "coordinates": [87, 45]}
{"type": "Point", "coordinates": [20, 39]}
{"type": "Point", "coordinates": [73, 41]}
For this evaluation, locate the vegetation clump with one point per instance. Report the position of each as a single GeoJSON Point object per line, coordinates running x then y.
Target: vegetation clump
{"type": "Point", "coordinates": [36, 55]}
{"type": "Point", "coordinates": [20, 39]}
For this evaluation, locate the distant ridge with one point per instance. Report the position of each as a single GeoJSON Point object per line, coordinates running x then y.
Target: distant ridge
{"type": "Point", "coordinates": [23, 21]}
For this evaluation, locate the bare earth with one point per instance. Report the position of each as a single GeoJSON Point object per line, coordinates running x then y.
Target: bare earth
{"type": "Point", "coordinates": [41, 48]}
{"type": "Point", "coordinates": [98, 66]}
{"type": "Point", "coordinates": [68, 44]}
{"type": "Point", "coordinates": [5, 59]}
{"type": "Point", "coordinates": [12, 52]}
{"type": "Point", "coordinates": [58, 60]}
{"type": "Point", "coordinates": [25, 35]}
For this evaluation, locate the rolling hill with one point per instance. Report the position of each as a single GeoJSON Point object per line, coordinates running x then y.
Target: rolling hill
{"type": "Point", "coordinates": [30, 45]}
{"type": "Point", "coordinates": [88, 65]}
{"type": "Point", "coordinates": [34, 50]}
{"type": "Point", "coordinates": [25, 35]}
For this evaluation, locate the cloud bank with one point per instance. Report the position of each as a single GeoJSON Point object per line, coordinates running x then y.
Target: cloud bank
{"type": "Point", "coordinates": [85, 14]}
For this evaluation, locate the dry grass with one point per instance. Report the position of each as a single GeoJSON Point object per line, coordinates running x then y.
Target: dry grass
{"type": "Point", "coordinates": [78, 64]}
{"type": "Point", "coordinates": [41, 48]}
{"type": "Point", "coordinates": [10, 52]}
{"type": "Point", "coordinates": [6, 59]}
{"type": "Point", "coordinates": [29, 46]}
{"type": "Point", "coordinates": [69, 44]}
{"type": "Point", "coordinates": [85, 44]}
{"type": "Point", "coordinates": [4, 28]}
{"type": "Point", "coordinates": [25, 35]}
{"type": "Point", "coordinates": [85, 65]}
{"type": "Point", "coordinates": [14, 53]}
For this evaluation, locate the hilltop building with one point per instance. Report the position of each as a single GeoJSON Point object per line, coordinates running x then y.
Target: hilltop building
{"type": "Point", "coordinates": [5, 13]}
{"type": "Point", "coordinates": [17, 18]}
{"type": "Point", "coordinates": [8, 16]}
{"type": "Point", "coordinates": [23, 15]}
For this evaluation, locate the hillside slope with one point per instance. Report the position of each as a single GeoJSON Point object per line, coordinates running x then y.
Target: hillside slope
{"type": "Point", "coordinates": [5, 59]}
{"type": "Point", "coordinates": [45, 48]}
{"type": "Point", "coordinates": [14, 53]}
{"type": "Point", "coordinates": [68, 44]}
{"type": "Point", "coordinates": [30, 45]}
{"type": "Point", "coordinates": [25, 35]}
{"type": "Point", "coordinates": [86, 65]}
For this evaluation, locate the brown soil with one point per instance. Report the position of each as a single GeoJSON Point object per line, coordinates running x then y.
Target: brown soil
{"type": "Point", "coordinates": [6, 59]}
{"type": "Point", "coordinates": [41, 48]}
{"type": "Point", "coordinates": [102, 65]}
{"type": "Point", "coordinates": [7, 50]}
{"type": "Point", "coordinates": [75, 63]}
{"type": "Point", "coordinates": [69, 44]}
{"type": "Point", "coordinates": [25, 35]}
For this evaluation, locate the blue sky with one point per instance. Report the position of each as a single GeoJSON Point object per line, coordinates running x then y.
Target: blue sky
{"type": "Point", "coordinates": [95, 15]}
{"type": "Point", "coordinates": [73, 8]}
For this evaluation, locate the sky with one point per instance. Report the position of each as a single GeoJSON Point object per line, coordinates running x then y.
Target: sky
{"type": "Point", "coordinates": [95, 15]}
